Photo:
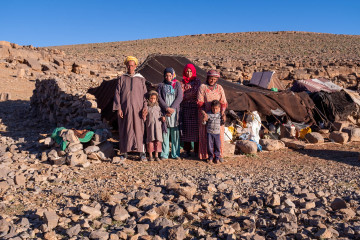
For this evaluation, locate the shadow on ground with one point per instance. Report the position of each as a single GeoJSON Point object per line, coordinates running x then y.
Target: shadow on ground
{"type": "Point", "coordinates": [18, 123]}
{"type": "Point", "coordinates": [347, 157]}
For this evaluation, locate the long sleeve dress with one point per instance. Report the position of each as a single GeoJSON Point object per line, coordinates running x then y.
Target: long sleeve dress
{"type": "Point", "coordinates": [205, 96]}
{"type": "Point", "coordinates": [189, 111]}
{"type": "Point", "coordinates": [130, 98]}
{"type": "Point", "coordinates": [153, 124]}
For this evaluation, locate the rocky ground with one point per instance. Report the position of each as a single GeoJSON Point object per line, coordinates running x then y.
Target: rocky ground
{"type": "Point", "coordinates": [289, 194]}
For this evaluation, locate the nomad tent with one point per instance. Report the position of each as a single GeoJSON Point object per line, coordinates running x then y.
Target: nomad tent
{"type": "Point", "coordinates": [297, 106]}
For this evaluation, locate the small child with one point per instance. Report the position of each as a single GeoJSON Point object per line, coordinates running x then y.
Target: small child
{"type": "Point", "coordinates": [214, 121]}
{"type": "Point", "coordinates": [153, 127]}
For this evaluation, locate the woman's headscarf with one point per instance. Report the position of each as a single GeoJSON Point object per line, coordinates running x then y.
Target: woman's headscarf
{"type": "Point", "coordinates": [193, 70]}
{"type": "Point", "coordinates": [213, 73]}
{"type": "Point", "coordinates": [172, 71]}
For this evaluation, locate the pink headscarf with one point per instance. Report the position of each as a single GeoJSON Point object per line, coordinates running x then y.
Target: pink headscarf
{"type": "Point", "coordinates": [193, 70]}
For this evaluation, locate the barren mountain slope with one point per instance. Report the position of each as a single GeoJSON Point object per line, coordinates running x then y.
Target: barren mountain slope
{"type": "Point", "coordinates": [244, 46]}
{"type": "Point", "coordinates": [293, 55]}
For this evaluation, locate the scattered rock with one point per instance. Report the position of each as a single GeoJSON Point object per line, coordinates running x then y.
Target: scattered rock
{"type": "Point", "coordinates": [246, 147]}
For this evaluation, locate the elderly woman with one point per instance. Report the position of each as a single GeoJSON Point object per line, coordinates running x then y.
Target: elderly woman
{"type": "Point", "coordinates": [207, 93]}
{"type": "Point", "coordinates": [189, 110]}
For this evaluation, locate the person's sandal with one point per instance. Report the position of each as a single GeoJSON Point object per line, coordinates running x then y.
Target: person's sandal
{"type": "Point", "coordinates": [143, 158]}
{"type": "Point", "coordinates": [216, 161]}
{"type": "Point", "coordinates": [157, 159]}
{"type": "Point", "coordinates": [150, 159]}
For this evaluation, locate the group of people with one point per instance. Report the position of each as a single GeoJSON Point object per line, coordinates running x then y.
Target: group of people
{"type": "Point", "coordinates": [179, 111]}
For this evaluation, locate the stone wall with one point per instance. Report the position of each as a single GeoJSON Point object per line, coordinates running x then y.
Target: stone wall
{"type": "Point", "coordinates": [52, 101]}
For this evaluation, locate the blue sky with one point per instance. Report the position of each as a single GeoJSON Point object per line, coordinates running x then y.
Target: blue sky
{"type": "Point", "coordinates": [63, 22]}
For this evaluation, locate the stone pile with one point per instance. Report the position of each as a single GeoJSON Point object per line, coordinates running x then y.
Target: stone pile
{"type": "Point", "coordinates": [53, 103]}
{"type": "Point", "coordinates": [77, 153]}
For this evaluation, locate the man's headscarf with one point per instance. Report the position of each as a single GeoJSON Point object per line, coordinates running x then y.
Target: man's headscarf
{"type": "Point", "coordinates": [193, 70]}
{"type": "Point", "coordinates": [131, 58]}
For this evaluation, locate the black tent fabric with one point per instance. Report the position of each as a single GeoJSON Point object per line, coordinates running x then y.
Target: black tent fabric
{"type": "Point", "coordinates": [298, 106]}
{"type": "Point", "coordinates": [336, 106]}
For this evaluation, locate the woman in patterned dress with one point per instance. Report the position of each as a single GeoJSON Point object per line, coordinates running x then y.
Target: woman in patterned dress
{"type": "Point", "coordinates": [189, 124]}
{"type": "Point", "coordinates": [207, 93]}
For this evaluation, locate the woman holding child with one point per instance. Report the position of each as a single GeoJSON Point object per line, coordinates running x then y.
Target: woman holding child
{"type": "Point", "coordinates": [207, 94]}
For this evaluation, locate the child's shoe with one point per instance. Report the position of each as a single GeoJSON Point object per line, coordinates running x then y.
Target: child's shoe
{"type": "Point", "coordinates": [143, 157]}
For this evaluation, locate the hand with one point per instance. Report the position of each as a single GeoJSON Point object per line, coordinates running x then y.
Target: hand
{"type": "Point", "coordinates": [120, 113]}
{"type": "Point", "coordinates": [162, 119]}
{"type": "Point", "coordinates": [144, 113]}
{"type": "Point", "coordinates": [223, 117]}
{"type": "Point", "coordinates": [205, 118]}
{"type": "Point", "coordinates": [170, 111]}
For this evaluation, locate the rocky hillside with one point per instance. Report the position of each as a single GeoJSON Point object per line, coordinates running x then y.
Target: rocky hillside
{"type": "Point", "coordinates": [293, 55]}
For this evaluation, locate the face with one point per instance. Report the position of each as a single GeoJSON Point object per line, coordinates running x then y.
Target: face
{"type": "Point", "coordinates": [168, 77]}
{"type": "Point", "coordinates": [153, 99]}
{"type": "Point", "coordinates": [212, 80]}
{"type": "Point", "coordinates": [188, 73]}
{"type": "Point", "coordinates": [131, 66]}
{"type": "Point", "coordinates": [215, 109]}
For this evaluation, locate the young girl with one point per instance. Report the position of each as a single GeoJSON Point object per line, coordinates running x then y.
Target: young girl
{"type": "Point", "coordinates": [153, 126]}
{"type": "Point", "coordinates": [170, 97]}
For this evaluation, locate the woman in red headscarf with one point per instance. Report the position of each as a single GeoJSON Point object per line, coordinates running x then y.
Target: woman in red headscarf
{"type": "Point", "coordinates": [189, 124]}
{"type": "Point", "coordinates": [207, 93]}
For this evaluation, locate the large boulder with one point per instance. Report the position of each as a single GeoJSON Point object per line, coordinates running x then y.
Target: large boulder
{"type": "Point", "coordinates": [314, 137]}
{"type": "Point", "coordinates": [295, 144]}
{"type": "Point", "coordinates": [271, 144]}
{"type": "Point", "coordinates": [229, 149]}
{"type": "Point", "coordinates": [339, 137]}
{"type": "Point", "coordinates": [76, 159]}
{"type": "Point", "coordinates": [33, 63]}
{"type": "Point", "coordinates": [246, 146]}
{"type": "Point", "coordinates": [5, 44]}
{"type": "Point", "coordinates": [354, 133]}
{"type": "Point", "coordinates": [4, 52]}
